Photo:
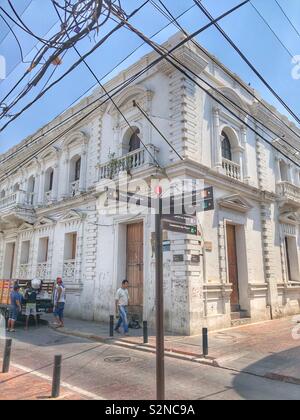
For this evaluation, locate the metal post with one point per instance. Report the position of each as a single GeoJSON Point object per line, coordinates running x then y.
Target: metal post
{"type": "Point", "coordinates": [145, 332]}
{"type": "Point", "coordinates": [111, 326]}
{"type": "Point", "coordinates": [160, 363]}
{"type": "Point", "coordinates": [205, 341]}
{"type": "Point", "coordinates": [56, 377]}
{"type": "Point", "coordinates": [6, 356]}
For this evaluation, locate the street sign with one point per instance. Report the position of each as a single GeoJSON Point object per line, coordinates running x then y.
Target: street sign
{"type": "Point", "coordinates": [179, 228]}
{"type": "Point", "coordinates": [183, 219]}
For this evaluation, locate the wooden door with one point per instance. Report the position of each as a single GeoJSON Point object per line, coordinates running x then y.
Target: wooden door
{"type": "Point", "coordinates": [233, 267]}
{"type": "Point", "coordinates": [135, 267]}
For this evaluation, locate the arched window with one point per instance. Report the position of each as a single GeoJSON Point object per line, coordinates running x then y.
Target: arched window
{"type": "Point", "coordinates": [31, 184]}
{"type": "Point", "coordinates": [226, 147]}
{"type": "Point", "coordinates": [77, 169]}
{"type": "Point", "coordinates": [135, 141]}
{"type": "Point", "coordinates": [49, 180]}
{"type": "Point", "coordinates": [284, 171]}
{"type": "Point", "coordinates": [16, 187]}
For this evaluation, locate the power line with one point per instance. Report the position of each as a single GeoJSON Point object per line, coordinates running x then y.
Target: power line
{"type": "Point", "coordinates": [23, 12]}
{"type": "Point", "coordinates": [126, 83]}
{"type": "Point", "coordinates": [248, 62]}
{"type": "Point", "coordinates": [288, 19]}
{"type": "Point", "coordinates": [82, 19]}
{"type": "Point", "coordinates": [235, 78]}
{"type": "Point", "coordinates": [106, 92]}
{"type": "Point", "coordinates": [88, 90]}
{"type": "Point", "coordinates": [186, 73]}
{"type": "Point", "coordinates": [272, 30]}
{"type": "Point", "coordinates": [94, 48]}
{"type": "Point", "coordinates": [137, 75]}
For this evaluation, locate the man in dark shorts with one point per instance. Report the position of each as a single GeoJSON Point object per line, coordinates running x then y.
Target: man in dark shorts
{"type": "Point", "coordinates": [30, 297]}
{"type": "Point", "coordinates": [15, 308]}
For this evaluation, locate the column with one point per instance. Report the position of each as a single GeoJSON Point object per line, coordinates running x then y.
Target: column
{"type": "Point", "coordinates": [55, 182]}
{"type": "Point", "coordinates": [83, 169]}
{"type": "Point", "coordinates": [217, 148]}
{"type": "Point", "coordinates": [278, 169]}
{"type": "Point", "coordinates": [66, 175]}
{"type": "Point", "coordinates": [41, 191]}
{"type": "Point", "coordinates": [290, 173]}
{"type": "Point", "coordinates": [245, 156]}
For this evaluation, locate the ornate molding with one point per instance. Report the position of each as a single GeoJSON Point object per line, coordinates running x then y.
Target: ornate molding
{"type": "Point", "coordinates": [235, 202]}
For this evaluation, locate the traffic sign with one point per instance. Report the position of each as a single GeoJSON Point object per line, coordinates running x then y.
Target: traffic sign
{"type": "Point", "coordinates": [179, 228]}
{"type": "Point", "coordinates": [183, 219]}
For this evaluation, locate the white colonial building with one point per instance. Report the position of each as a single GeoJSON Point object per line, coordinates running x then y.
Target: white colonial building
{"type": "Point", "coordinates": [244, 265]}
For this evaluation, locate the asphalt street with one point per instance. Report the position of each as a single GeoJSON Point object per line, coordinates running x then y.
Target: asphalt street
{"type": "Point", "coordinates": [114, 373]}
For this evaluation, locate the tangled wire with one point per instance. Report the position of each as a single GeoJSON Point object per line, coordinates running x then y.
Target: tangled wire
{"type": "Point", "coordinates": [78, 19]}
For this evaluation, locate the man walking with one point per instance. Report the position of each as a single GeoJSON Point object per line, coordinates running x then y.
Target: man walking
{"type": "Point", "coordinates": [15, 308]}
{"type": "Point", "coordinates": [59, 302]}
{"type": "Point", "coordinates": [122, 300]}
{"type": "Point", "coordinates": [30, 298]}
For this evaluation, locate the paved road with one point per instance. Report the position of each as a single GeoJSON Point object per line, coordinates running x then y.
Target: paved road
{"type": "Point", "coordinates": [116, 373]}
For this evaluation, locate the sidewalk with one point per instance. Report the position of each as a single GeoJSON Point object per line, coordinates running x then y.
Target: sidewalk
{"type": "Point", "coordinates": [20, 384]}
{"type": "Point", "coordinates": [266, 349]}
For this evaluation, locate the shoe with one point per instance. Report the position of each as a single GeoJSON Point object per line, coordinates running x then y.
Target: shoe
{"type": "Point", "coordinates": [117, 330]}
{"type": "Point", "coordinates": [126, 334]}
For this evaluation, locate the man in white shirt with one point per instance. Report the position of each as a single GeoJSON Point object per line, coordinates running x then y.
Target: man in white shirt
{"type": "Point", "coordinates": [122, 300]}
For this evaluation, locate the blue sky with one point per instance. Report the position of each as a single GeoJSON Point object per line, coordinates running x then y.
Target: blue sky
{"type": "Point", "coordinates": [245, 27]}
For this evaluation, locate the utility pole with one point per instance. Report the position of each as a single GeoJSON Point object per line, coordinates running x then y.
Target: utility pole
{"type": "Point", "coordinates": [160, 345]}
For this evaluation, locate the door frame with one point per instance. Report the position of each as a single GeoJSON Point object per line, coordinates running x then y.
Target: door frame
{"type": "Point", "coordinates": [120, 253]}
{"type": "Point", "coordinates": [230, 223]}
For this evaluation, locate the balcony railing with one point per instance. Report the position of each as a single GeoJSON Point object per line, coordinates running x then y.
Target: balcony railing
{"type": "Point", "coordinates": [42, 271]}
{"type": "Point", "coordinates": [134, 160]}
{"type": "Point", "coordinates": [231, 169]}
{"type": "Point", "coordinates": [288, 191]}
{"type": "Point", "coordinates": [69, 269]}
{"type": "Point", "coordinates": [49, 197]}
{"type": "Point", "coordinates": [23, 272]}
{"type": "Point", "coordinates": [75, 188]}
{"type": "Point", "coordinates": [18, 198]}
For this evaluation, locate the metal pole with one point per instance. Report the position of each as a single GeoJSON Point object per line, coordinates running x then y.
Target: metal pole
{"type": "Point", "coordinates": [6, 356]}
{"type": "Point", "coordinates": [145, 332]}
{"type": "Point", "coordinates": [160, 363]}
{"type": "Point", "coordinates": [111, 326]}
{"type": "Point", "coordinates": [56, 377]}
{"type": "Point", "coordinates": [205, 341]}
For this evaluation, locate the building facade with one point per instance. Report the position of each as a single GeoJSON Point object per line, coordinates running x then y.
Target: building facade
{"type": "Point", "coordinates": [245, 261]}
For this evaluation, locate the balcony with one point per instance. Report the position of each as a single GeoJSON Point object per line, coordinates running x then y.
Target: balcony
{"type": "Point", "coordinates": [75, 188]}
{"type": "Point", "coordinates": [289, 194]}
{"type": "Point", "coordinates": [17, 208]}
{"type": "Point", "coordinates": [139, 159]}
{"type": "Point", "coordinates": [43, 271]}
{"type": "Point", "coordinates": [23, 272]}
{"type": "Point", "coordinates": [69, 269]}
{"type": "Point", "coordinates": [231, 169]}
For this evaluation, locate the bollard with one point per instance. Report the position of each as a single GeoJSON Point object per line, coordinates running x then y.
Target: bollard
{"type": "Point", "coordinates": [205, 341]}
{"type": "Point", "coordinates": [6, 356]}
{"type": "Point", "coordinates": [111, 326]}
{"type": "Point", "coordinates": [56, 377]}
{"type": "Point", "coordinates": [145, 332]}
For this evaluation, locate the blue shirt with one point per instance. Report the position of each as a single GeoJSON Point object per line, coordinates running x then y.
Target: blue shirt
{"type": "Point", "coordinates": [14, 297]}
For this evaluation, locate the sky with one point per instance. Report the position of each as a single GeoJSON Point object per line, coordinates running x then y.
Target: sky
{"type": "Point", "coordinates": [245, 27]}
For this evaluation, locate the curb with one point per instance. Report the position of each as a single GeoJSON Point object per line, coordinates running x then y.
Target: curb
{"type": "Point", "coordinates": [179, 355]}
{"type": "Point", "coordinates": [147, 348]}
